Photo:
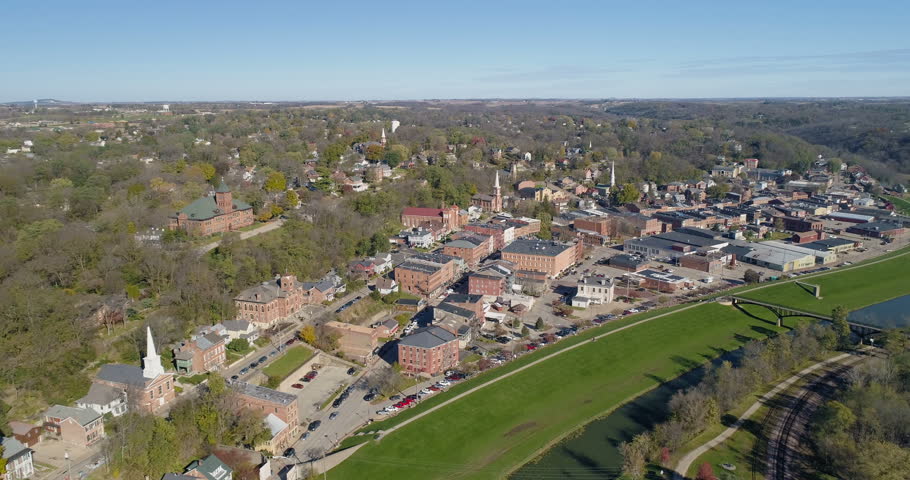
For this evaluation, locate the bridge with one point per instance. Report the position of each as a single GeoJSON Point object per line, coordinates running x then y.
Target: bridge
{"type": "Point", "coordinates": [781, 311]}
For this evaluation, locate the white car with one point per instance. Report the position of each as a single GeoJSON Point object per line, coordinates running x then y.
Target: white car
{"type": "Point", "coordinates": [426, 391]}
{"type": "Point", "coordinates": [382, 412]}
{"type": "Point", "coordinates": [444, 383]}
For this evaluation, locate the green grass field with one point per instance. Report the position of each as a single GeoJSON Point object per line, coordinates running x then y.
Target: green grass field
{"type": "Point", "coordinates": [490, 432]}
{"type": "Point", "coordinates": [901, 205]}
{"type": "Point", "coordinates": [853, 288]}
{"type": "Point", "coordinates": [290, 361]}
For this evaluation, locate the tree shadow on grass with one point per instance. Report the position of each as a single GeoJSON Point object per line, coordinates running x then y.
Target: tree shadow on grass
{"type": "Point", "coordinates": [750, 314]}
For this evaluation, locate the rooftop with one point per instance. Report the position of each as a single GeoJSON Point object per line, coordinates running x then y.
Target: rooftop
{"type": "Point", "coordinates": [84, 416]}
{"type": "Point", "coordinates": [427, 337]}
{"type": "Point", "coordinates": [205, 208]}
{"type": "Point", "coordinates": [536, 247]}
{"type": "Point", "coordinates": [264, 393]}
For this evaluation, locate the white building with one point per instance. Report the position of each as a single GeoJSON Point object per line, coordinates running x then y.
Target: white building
{"type": "Point", "coordinates": [593, 290]}
{"type": "Point", "coordinates": [104, 399]}
{"type": "Point", "coordinates": [19, 461]}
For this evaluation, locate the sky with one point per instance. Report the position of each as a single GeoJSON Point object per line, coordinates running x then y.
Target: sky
{"type": "Point", "coordinates": [94, 51]}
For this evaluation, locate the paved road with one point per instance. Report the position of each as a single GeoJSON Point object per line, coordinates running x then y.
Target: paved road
{"type": "Point", "coordinates": [686, 462]}
{"type": "Point", "coordinates": [268, 227]}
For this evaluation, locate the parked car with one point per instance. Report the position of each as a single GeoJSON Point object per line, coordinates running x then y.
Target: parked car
{"type": "Point", "coordinates": [290, 452]}
{"type": "Point", "coordinates": [262, 359]}
{"type": "Point", "coordinates": [352, 371]}
{"type": "Point", "coordinates": [314, 425]}
{"type": "Point", "coordinates": [297, 385]}
{"type": "Point", "coordinates": [305, 436]}
{"type": "Point", "coordinates": [310, 376]}
{"type": "Point", "coordinates": [337, 403]}
{"type": "Point", "coordinates": [234, 378]}
{"type": "Point", "coordinates": [433, 388]}
{"type": "Point", "coordinates": [244, 370]}
{"type": "Point", "coordinates": [443, 382]}
{"type": "Point", "coordinates": [383, 412]}
{"type": "Point", "coordinates": [333, 416]}
{"type": "Point", "coordinates": [369, 397]}
{"type": "Point", "coordinates": [395, 397]}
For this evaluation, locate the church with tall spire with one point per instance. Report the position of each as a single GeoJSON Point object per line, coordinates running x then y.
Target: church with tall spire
{"type": "Point", "coordinates": [148, 388]}
{"type": "Point", "coordinates": [489, 203]}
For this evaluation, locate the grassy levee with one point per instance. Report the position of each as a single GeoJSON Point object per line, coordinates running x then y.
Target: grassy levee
{"type": "Point", "coordinates": [488, 433]}
{"type": "Point", "coordinates": [495, 373]}
{"type": "Point", "coordinates": [853, 288]}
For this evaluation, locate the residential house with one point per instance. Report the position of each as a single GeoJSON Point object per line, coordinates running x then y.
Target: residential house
{"type": "Point", "coordinates": [386, 286]}
{"type": "Point", "coordinates": [19, 462]}
{"type": "Point", "coordinates": [26, 433]}
{"type": "Point", "coordinates": [593, 289]}
{"type": "Point", "coordinates": [209, 468]}
{"type": "Point", "coordinates": [202, 353]}
{"type": "Point", "coordinates": [104, 399]}
{"type": "Point", "coordinates": [234, 329]}
{"type": "Point", "coordinates": [77, 426]}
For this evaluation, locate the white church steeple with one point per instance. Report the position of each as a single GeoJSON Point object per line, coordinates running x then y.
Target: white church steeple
{"type": "Point", "coordinates": [152, 367]}
{"type": "Point", "coordinates": [382, 139]}
{"type": "Point", "coordinates": [612, 174]}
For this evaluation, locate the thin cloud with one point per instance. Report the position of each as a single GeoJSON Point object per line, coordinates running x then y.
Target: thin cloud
{"type": "Point", "coordinates": [895, 60]}
{"type": "Point", "coordinates": [550, 74]}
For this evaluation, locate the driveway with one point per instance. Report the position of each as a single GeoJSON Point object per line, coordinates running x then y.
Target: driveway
{"type": "Point", "coordinates": [268, 227]}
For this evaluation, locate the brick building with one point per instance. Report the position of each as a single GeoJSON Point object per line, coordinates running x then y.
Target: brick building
{"type": "Point", "coordinates": [202, 353]}
{"type": "Point", "coordinates": [426, 275]}
{"type": "Point", "coordinates": [489, 203]}
{"type": "Point", "coordinates": [474, 303]}
{"type": "Point", "coordinates": [429, 350]}
{"type": "Point", "coordinates": [148, 389]}
{"type": "Point", "coordinates": [471, 248]}
{"type": "Point", "coordinates": [209, 215]}
{"type": "Point", "coordinates": [551, 258]}
{"type": "Point", "coordinates": [487, 282]}
{"type": "Point", "coordinates": [501, 233]}
{"type": "Point", "coordinates": [713, 262]}
{"type": "Point", "coordinates": [450, 217]}
{"type": "Point", "coordinates": [269, 302]}
{"type": "Point", "coordinates": [795, 224]}
{"type": "Point", "coordinates": [356, 342]}
{"type": "Point", "coordinates": [266, 401]}
{"type": "Point", "coordinates": [77, 426]}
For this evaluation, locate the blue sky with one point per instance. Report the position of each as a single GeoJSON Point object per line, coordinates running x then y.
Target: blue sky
{"type": "Point", "coordinates": [351, 50]}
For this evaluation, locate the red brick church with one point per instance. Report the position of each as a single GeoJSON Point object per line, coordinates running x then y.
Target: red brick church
{"type": "Point", "coordinates": [209, 215]}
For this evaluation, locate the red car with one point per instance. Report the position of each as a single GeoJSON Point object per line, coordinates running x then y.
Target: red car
{"type": "Point", "coordinates": [531, 346]}
{"type": "Point", "coordinates": [297, 385]}
{"type": "Point", "coordinates": [310, 376]}
{"type": "Point", "coordinates": [433, 388]}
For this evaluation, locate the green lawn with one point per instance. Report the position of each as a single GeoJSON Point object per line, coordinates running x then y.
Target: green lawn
{"type": "Point", "coordinates": [853, 288]}
{"type": "Point", "coordinates": [737, 450]}
{"type": "Point", "coordinates": [495, 429]}
{"type": "Point", "coordinates": [292, 359]}
{"type": "Point", "coordinates": [901, 205]}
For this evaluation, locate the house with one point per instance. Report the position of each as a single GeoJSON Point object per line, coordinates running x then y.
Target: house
{"type": "Point", "coordinates": [386, 286]}
{"type": "Point", "coordinates": [266, 304]}
{"type": "Point", "coordinates": [421, 237]}
{"type": "Point", "coordinates": [388, 328]}
{"type": "Point", "coordinates": [26, 433]}
{"type": "Point", "coordinates": [356, 342]}
{"type": "Point", "coordinates": [209, 468]}
{"type": "Point", "coordinates": [18, 457]}
{"type": "Point", "coordinates": [104, 399]}
{"type": "Point", "coordinates": [202, 353]}
{"type": "Point", "coordinates": [429, 350]}
{"type": "Point", "coordinates": [213, 214]}
{"type": "Point", "coordinates": [593, 289]}
{"type": "Point", "coordinates": [266, 401]}
{"type": "Point", "coordinates": [77, 426]}
{"type": "Point", "coordinates": [551, 258]}
{"type": "Point", "coordinates": [148, 389]}
{"type": "Point", "coordinates": [234, 329]}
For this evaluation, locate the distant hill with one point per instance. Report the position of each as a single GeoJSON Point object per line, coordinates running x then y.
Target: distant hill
{"type": "Point", "coordinates": [46, 102]}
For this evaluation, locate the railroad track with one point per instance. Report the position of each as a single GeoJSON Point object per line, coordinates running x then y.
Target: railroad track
{"type": "Point", "coordinates": [784, 440]}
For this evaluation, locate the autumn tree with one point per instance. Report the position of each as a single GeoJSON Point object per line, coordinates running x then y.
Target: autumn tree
{"type": "Point", "coordinates": [275, 182]}
{"type": "Point", "coordinates": [628, 193]}
{"type": "Point", "coordinates": [308, 334]}
{"type": "Point", "coordinates": [841, 327]}
{"type": "Point", "coordinates": [705, 472]}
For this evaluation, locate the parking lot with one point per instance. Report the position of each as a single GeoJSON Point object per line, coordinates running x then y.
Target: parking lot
{"type": "Point", "coordinates": [316, 392]}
